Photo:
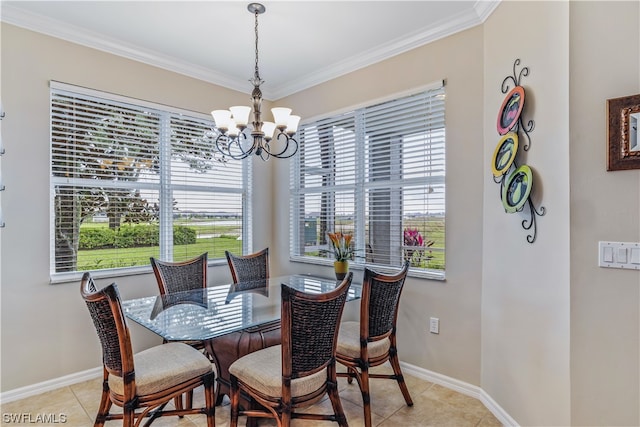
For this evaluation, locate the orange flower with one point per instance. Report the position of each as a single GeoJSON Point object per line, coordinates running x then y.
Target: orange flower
{"type": "Point", "coordinates": [341, 243]}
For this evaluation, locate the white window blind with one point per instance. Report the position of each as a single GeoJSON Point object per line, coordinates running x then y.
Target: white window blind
{"type": "Point", "coordinates": [377, 172]}
{"type": "Point", "coordinates": [131, 179]}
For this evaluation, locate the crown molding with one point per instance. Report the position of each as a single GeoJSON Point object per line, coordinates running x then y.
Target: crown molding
{"type": "Point", "coordinates": [81, 36]}
{"type": "Point", "coordinates": [54, 28]}
{"type": "Point", "coordinates": [482, 9]}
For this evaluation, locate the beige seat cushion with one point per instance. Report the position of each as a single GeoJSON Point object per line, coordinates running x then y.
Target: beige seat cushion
{"type": "Point", "coordinates": [164, 366]}
{"type": "Point", "coordinates": [349, 342]}
{"type": "Point", "coordinates": [262, 370]}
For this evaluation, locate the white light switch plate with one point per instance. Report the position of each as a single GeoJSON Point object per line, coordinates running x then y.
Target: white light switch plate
{"type": "Point", "coordinates": [434, 325]}
{"type": "Point", "coordinates": [619, 255]}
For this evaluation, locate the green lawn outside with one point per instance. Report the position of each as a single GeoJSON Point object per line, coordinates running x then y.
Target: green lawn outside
{"type": "Point", "coordinates": [202, 227]}
{"type": "Point", "coordinates": [218, 239]}
{"type": "Point", "coordinates": [104, 258]}
{"type": "Point", "coordinates": [225, 237]}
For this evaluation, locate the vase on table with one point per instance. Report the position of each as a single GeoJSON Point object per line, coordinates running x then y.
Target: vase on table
{"type": "Point", "coordinates": [341, 268]}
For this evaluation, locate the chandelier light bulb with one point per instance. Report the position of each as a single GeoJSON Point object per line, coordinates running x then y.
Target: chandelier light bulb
{"type": "Point", "coordinates": [222, 119]}
{"type": "Point", "coordinates": [241, 115]}
{"type": "Point", "coordinates": [292, 124]}
{"type": "Point", "coordinates": [281, 116]}
{"type": "Point", "coordinates": [268, 128]}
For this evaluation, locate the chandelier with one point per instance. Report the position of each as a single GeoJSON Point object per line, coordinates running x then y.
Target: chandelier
{"type": "Point", "coordinates": [266, 139]}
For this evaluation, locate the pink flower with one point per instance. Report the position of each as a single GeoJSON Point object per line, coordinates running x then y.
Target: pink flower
{"type": "Point", "coordinates": [412, 237]}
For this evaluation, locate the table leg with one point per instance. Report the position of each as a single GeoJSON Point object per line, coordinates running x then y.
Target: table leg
{"type": "Point", "coordinates": [228, 348]}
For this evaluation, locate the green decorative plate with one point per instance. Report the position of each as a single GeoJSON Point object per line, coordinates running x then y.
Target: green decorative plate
{"type": "Point", "coordinates": [517, 189]}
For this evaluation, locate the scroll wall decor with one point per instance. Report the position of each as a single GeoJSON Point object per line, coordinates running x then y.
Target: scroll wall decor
{"type": "Point", "coordinates": [516, 182]}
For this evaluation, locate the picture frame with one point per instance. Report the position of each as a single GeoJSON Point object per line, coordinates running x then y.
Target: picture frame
{"type": "Point", "coordinates": [623, 133]}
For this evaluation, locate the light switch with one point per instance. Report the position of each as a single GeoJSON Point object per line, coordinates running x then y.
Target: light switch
{"type": "Point", "coordinates": [625, 255]}
{"type": "Point", "coordinates": [607, 254]}
{"type": "Point", "coordinates": [622, 256]}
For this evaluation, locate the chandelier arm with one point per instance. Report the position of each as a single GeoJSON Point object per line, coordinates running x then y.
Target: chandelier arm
{"type": "Point", "coordinates": [221, 148]}
{"type": "Point", "coordinates": [280, 155]}
{"type": "Point", "coordinates": [244, 154]}
{"type": "Point", "coordinates": [226, 151]}
{"type": "Point", "coordinates": [267, 148]}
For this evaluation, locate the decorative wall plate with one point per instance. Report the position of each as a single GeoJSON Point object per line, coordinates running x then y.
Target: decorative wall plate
{"type": "Point", "coordinates": [511, 109]}
{"type": "Point", "coordinates": [517, 188]}
{"type": "Point", "coordinates": [504, 154]}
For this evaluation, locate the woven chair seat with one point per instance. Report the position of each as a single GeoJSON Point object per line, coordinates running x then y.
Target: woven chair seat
{"type": "Point", "coordinates": [262, 371]}
{"type": "Point", "coordinates": [349, 342]}
{"type": "Point", "coordinates": [162, 367]}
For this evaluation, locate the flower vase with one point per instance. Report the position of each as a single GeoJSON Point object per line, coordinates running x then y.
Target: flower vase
{"type": "Point", "coordinates": [341, 268]}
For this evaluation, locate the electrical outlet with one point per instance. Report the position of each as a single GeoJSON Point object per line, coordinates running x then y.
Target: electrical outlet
{"type": "Point", "coordinates": [434, 325]}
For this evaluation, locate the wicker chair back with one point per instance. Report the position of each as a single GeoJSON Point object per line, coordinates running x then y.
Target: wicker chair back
{"type": "Point", "coordinates": [310, 325]}
{"type": "Point", "coordinates": [108, 319]}
{"type": "Point", "coordinates": [245, 268]}
{"type": "Point", "coordinates": [180, 276]}
{"type": "Point", "coordinates": [384, 298]}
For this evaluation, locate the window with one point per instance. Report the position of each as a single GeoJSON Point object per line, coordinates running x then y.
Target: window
{"type": "Point", "coordinates": [377, 172]}
{"type": "Point", "coordinates": [131, 179]}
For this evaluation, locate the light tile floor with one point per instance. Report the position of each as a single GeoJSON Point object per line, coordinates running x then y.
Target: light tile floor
{"type": "Point", "coordinates": [434, 405]}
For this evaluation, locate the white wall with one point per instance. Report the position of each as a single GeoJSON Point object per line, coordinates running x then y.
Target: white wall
{"type": "Point", "coordinates": [458, 59]}
{"type": "Point", "coordinates": [605, 313]}
{"type": "Point", "coordinates": [525, 287]}
{"type": "Point", "coordinates": [48, 326]}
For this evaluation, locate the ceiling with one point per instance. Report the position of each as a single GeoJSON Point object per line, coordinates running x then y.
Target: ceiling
{"type": "Point", "coordinates": [301, 43]}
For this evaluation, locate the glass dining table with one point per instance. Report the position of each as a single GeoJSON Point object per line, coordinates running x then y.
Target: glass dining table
{"type": "Point", "coordinates": [231, 320]}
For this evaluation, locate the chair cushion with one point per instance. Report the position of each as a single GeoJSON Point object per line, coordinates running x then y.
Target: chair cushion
{"type": "Point", "coordinates": [164, 366]}
{"type": "Point", "coordinates": [349, 342]}
{"type": "Point", "coordinates": [262, 370]}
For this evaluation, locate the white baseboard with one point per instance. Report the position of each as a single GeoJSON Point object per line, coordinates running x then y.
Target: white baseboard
{"type": "Point", "coordinates": [34, 389]}
{"type": "Point", "coordinates": [434, 377]}
{"type": "Point", "coordinates": [463, 388]}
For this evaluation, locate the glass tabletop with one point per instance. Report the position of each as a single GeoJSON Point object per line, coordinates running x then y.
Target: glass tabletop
{"type": "Point", "coordinates": [218, 310]}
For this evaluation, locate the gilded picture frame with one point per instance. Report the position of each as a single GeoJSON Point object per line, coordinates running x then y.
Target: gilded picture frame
{"type": "Point", "coordinates": [623, 136]}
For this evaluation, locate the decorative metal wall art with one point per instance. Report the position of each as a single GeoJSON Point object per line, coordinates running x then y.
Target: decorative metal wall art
{"type": "Point", "coordinates": [516, 182]}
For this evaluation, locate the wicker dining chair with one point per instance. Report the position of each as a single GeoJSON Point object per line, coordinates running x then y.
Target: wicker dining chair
{"type": "Point", "coordinates": [245, 268]}
{"type": "Point", "coordinates": [182, 276]}
{"type": "Point", "coordinates": [249, 273]}
{"type": "Point", "coordinates": [300, 371]}
{"type": "Point", "coordinates": [372, 341]}
{"type": "Point", "coordinates": [142, 384]}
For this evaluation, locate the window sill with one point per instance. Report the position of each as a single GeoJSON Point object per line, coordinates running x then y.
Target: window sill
{"type": "Point", "coordinates": [420, 274]}
{"type": "Point", "coordinates": [76, 276]}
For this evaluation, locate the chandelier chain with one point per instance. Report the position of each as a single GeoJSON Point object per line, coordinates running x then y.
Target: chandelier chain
{"type": "Point", "coordinates": [257, 72]}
